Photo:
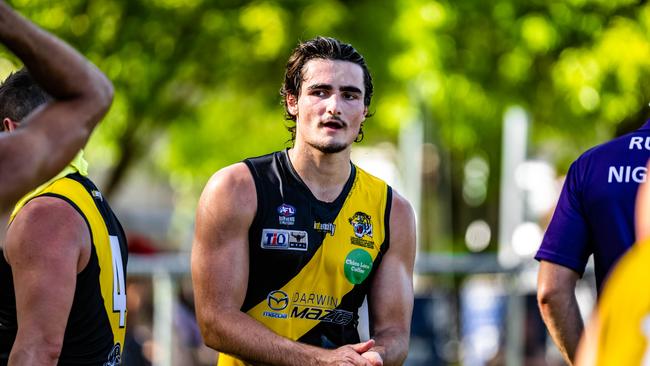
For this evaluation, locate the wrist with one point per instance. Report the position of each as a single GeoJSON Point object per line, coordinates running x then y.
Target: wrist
{"type": "Point", "coordinates": [381, 350]}
{"type": "Point", "coordinates": [311, 355]}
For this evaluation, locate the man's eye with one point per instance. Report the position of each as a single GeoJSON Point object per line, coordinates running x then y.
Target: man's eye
{"type": "Point", "coordinates": [318, 93]}
{"type": "Point", "coordinates": [350, 96]}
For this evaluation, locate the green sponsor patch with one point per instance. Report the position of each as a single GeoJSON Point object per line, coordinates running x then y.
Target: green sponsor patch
{"type": "Point", "coordinates": [357, 267]}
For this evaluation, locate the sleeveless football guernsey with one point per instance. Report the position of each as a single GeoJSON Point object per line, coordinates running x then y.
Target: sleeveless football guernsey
{"type": "Point", "coordinates": [94, 333]}
{"type": "Point", "coordinates": [311, 262]}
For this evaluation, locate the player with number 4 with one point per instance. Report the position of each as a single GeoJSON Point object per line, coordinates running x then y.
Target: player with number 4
{"type": "Point", "coordinates": [65, 255]}
{"type": "Point", "coordinates": [63, 260]}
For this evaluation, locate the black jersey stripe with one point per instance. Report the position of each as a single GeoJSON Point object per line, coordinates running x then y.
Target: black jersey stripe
{"type": "Point", "coordinates": [277, 184]}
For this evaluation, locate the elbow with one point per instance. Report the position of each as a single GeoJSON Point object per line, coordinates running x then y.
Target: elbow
{"type": "Point", "coordinates": [393, 345]}
{"type": "Point", "coordinates": [211, 335]}
{"type": "Point", "coordinates": [51, 347]}
{"type": "Point", "coordinates": [550, 296]}
{"type": "Point", "coordinates": [103, 92]}
{"type": "Point", "coordinates": [96, 92]}
{"type": "Point", "coordinates": [52, 352]}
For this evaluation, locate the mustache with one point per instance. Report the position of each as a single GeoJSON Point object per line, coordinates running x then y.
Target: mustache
{"type": "Point", "coordinates": [334, 119]}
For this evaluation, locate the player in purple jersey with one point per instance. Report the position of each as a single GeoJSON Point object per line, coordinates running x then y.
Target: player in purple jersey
{"type": "Point", "coordinates": [594, 215]}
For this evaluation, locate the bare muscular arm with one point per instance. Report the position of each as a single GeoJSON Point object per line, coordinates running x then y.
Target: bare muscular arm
{"type": "Point", "coordinates": [47, 245]}
{"type": "Point", "coordinates": [56, 131]}
{"type": "Point", "coordinates": [220, 276]}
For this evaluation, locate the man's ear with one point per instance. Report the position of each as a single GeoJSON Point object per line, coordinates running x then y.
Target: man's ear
{"type": "Point", "coordinates": [292, 105]}
{"type": "Point", "coordinates": [8, 124]}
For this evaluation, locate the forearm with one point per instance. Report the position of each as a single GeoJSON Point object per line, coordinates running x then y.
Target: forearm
{"type": "Point", "coordinates": [564, 323]}
{"type": "Point", "coordinates": [57, 67]}
{"type": "Point", "coordinates": [237, 334]}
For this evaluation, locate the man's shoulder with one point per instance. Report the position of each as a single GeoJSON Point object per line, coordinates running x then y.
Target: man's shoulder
{"type": "Point", "coordinates": [232, 182]}
{"type": "Point", "coordinates": [45, 207]}
{"type": "Point", "coordinates": [636, 141]}
{"type": "Point", "coordinates": [402, 205]}
{"type": "Point", "coordinates": [46, 219]}
{"type": "Point", "coordinates": [623, 150]}
{"type": "Point", "coordinates": [231, 175]}
{"type": "Point", "coordinates": [229, 194]}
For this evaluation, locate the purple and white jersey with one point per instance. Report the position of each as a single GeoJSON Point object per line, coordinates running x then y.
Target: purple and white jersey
{"type": "Point", "coordinates": [595, 212]}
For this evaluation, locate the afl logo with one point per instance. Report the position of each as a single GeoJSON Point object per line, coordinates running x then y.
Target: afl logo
{"type": "Point", "coordinates": [286, 210]}
{"type": "Point", "coordinates": [277, 300]}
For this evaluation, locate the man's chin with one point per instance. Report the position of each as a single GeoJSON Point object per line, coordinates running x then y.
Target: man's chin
{"type": "Point", "coordinates": [331, 148]}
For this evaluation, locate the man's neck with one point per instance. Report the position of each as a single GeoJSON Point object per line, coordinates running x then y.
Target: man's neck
{"type": "Point", "coordinates": [324, 174]}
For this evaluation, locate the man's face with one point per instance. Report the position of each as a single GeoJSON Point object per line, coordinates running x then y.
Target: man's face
{"type": "Point", "coordinates": [330, 108]}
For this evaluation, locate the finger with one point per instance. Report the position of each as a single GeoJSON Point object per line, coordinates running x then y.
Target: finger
{"type": "Point", "coordinates": [363, 346]}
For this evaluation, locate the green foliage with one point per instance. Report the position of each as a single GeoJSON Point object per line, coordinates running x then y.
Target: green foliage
{"type": "Point", "coordinates": [197, 80]}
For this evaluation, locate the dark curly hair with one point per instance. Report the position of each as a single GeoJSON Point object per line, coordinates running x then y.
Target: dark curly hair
{"type": "Point", "coordinates": [320, 48]}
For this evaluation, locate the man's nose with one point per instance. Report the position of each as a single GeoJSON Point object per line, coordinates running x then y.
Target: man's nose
{"type": "Point", "coordinates": [333, 104]}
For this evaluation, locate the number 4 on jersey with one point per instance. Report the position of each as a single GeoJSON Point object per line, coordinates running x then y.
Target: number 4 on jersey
{"type": "Point", "coordinates": [119, 287]}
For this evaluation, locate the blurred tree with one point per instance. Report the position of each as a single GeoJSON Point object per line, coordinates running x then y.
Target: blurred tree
{"type": "Point", "coordinates": [580, 68]}
{"type": "Point", "coordinates": [197, 81]}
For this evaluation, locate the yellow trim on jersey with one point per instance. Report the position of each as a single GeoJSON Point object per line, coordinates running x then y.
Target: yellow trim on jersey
{"type": "Point", "coordinates": [77, 165]}
{"type": "Point", "coordinates": [624, 311]}
{"type": "Point", "coordinates": [77, 193]}
{"type": "Point", "coordinates": [325, 275]}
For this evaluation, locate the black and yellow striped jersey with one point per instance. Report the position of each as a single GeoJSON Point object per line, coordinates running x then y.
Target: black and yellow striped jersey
{"type": "Point", "coordinates": [94, 334]}
{"type": "Point", "coordinates": [311, 262]}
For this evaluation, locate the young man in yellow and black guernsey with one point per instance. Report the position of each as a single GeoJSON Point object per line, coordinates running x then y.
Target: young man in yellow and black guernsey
{"type": "Point", "coordinates": [47, 254]}
{"type": "Point", "coordinates": [62, 284]}
{"type": "Point", "coordinates": [289, 244]}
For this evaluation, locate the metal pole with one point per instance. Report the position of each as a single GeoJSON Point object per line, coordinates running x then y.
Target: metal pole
{"type": "Point", "coordinates": [515, 322]}
{"type": "Point", "coordinates": [164, 290]}
{"type": "Point", "coordinates": [511, 203]}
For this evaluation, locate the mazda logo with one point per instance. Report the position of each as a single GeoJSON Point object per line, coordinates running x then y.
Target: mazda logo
{"type": "Point", "coordinates": [277, 300]}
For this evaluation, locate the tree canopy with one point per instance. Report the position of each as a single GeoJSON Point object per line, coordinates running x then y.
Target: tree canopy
{"type": "Point", "coordinates": [197, 81]}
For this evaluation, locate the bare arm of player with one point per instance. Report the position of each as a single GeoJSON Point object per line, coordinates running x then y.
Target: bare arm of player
{"type": "Point", "coordinates": [559, 307]}
{"type": "Point", "coordinates": [220, 276]}
{"type": "Point", "coordinates": [46, 245]}
{"type": "Point", "coordinates": [390, 300]}
{"type": "Point", "coordinates": [57, 131]}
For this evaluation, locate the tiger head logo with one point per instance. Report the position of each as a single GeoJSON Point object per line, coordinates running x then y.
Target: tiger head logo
{"type": "Point", "coordinates": [362, 224]}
